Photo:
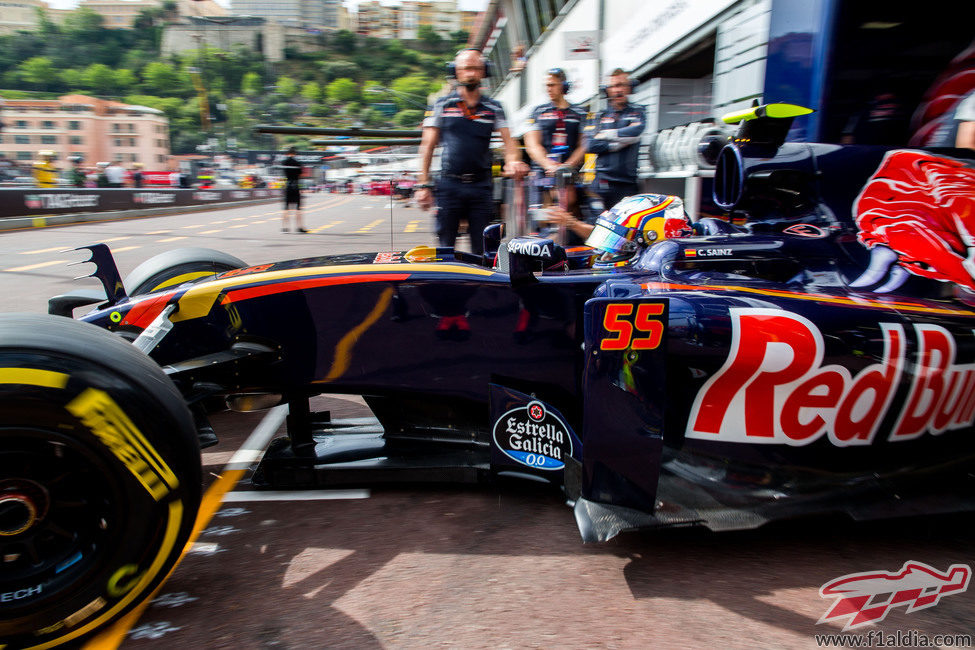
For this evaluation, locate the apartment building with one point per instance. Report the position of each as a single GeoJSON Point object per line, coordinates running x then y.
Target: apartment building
{"type": "Point", "coordinates": [316, 14]}
{"type": "Point", "coordinates": [96, 129]}
{"type": "Point", "coordinates": [121, 14]}
{"type": "Point", "coordinates": [18, 15]}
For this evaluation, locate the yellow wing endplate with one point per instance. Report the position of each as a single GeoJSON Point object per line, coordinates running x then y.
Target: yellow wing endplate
{"type": "Point", "coordinates": [767, 110]}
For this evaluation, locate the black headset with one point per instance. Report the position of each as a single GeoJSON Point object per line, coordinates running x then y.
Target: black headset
{"type": "Point", "coordinates": [488, 66]}
{"type": "Point", "coordinates": [559, 72]}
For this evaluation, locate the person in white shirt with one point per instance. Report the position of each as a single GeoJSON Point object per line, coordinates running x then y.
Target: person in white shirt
{"type": "Point", "coordinates": [115, 174]}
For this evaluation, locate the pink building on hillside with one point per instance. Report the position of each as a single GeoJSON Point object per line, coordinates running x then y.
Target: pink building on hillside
{"type": "Point", "coordinates": [96, 129]}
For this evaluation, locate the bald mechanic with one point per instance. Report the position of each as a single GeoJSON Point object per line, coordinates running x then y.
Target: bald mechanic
{"type": "Point", "coordinates": [463, 122]}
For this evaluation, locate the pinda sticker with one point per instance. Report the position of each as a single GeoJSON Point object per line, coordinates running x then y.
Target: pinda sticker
{"type": "Point", "coordinates": [533, 436]}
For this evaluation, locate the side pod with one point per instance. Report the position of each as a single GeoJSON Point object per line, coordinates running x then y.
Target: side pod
{"type": "Point", "coordinates": [624, 388]}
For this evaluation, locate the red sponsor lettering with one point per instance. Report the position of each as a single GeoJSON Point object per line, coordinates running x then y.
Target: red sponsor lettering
{"type": "Point", "coordinates": [773, 387]}
{"type": "Point", "coordinates": [941, 395]}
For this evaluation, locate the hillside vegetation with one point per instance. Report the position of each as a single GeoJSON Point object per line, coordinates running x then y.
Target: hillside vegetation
{"type": "Point", "coordinates": [341, 84]}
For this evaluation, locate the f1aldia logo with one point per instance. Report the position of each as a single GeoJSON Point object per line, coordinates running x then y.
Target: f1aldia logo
{"type": "Point", "coordinates": [534, 436]}
{"type": "Point", "coordinates": [868, 597]}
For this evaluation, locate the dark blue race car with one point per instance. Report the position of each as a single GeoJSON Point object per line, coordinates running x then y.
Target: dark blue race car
{"type": "Point", "coordinates": [809, 350]}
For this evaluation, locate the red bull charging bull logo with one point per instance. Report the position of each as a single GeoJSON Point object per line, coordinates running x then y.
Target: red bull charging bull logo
{"type": "Point", "coordinates": [868, 597]}
{"type": "Point", "coordinates": [916, 214]}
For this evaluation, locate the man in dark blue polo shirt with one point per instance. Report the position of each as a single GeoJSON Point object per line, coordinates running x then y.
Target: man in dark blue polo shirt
{"type": "Point", "coordinates": [553, 138]}
{"type": "Point", "coordinates": [463, 122]}
{"type": "Point", "coordinates": [614, 135]}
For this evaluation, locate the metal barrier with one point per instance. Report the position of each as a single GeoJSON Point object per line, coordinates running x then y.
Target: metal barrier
{"type": "Point", "coordinates": [34, 201]}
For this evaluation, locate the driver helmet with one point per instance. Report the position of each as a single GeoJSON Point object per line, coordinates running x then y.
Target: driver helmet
{"type": "Point", "coordinates": [633, 224]}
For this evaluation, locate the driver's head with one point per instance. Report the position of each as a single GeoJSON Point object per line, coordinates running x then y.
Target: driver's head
{"type": "Point", "coordinates": [633, 224]}
{"type": "Point", "coordinates": [469, 66]}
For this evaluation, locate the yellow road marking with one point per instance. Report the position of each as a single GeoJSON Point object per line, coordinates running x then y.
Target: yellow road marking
{"type": "Point", "coordinates": [210, 232]}
{"type": "Point", "coordinates": [159, 232]}
{"type": "Point", "coordinates": [125, 248]}
{"type": "Point", "coordinates": [43, 250]}
{"type": "Point", "coordinates": [105, 241]}
{"type": "Point", "coordinates": [369, 226]}
{"type": "Point", "coordinates": [168, 239]}
{"type": "Point", "coordinates": [31, 267]}
{"type": "Point", "coordinates": [328, 225]}
{"type": "Point", "coordinates": [412, 226]}
{"type": "Point", "coordinates": [239, 218]}
{"type": "Point", "coordinates": [199, 225]}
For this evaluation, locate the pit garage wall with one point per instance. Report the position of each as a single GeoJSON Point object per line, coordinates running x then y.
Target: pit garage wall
{"type": "Point", "coordinates": [639, 37]}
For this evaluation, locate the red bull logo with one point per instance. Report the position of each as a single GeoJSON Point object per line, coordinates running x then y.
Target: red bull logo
{"type": "Point", "coordinates": [917, 215]}
{"type": "Point", "coordinates": [868, 597]}
{"type": "Point", "coordinates": [774, 388]}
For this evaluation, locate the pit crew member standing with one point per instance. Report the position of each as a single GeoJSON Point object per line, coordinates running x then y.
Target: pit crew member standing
{"type": "Point", "coordinates": [463, 122]}
{"type": "Point", "coordinates": [554, 131]}
{"type": "Point", "coordinates": [614, 135]}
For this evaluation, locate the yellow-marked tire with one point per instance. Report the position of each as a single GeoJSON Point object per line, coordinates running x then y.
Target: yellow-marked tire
{"type": "Point", "coordinates": [99, 479]}
{"type": "Point", "coordinates": [175, 267]}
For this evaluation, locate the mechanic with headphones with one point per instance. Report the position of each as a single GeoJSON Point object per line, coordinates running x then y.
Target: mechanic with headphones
{"type": "Point", "coordinates": [553, 138]}
{"type": "Point", "coordinates": [614, 135]}
{"type": "Point", "coordinates": [463, 123]}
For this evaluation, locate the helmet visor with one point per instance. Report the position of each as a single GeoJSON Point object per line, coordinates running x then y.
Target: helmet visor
{"type": "Point", "coordinates": [611, 238]}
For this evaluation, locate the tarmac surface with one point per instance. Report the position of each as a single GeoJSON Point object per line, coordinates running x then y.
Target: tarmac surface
{"type": "Point", "coordinates": [461, 566]}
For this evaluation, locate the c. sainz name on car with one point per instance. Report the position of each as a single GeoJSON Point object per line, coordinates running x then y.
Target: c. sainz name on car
{"type": "Point", "coordinates": [707, 252]}
{"type": "Point", "coordinates": [774, 389]}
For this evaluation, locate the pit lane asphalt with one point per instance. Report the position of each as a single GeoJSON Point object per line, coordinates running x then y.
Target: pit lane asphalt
{"type": "Point", "coordinates": [448, 566]}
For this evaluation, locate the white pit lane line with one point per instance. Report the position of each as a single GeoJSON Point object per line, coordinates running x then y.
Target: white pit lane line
{"type": "Point", "coordinates": [252, 451]}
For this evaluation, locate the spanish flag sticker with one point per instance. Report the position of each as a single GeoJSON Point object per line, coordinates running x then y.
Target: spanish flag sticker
{"type": "Point", "coordinates": [690, 252]}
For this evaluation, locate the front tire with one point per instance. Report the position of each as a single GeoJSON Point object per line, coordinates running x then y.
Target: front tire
{"type": "Point", "coordinates": [99, 479]}
{"type": "Point", "coordinates": [177, 266]}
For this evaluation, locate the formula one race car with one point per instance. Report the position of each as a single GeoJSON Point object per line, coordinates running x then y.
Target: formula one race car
{"type": "Point", "coordinates": [810, 352]}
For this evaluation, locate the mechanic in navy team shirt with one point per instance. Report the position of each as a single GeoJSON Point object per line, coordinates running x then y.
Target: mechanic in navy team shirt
{"type": "Point", "coordinates": [614, 135]}
{"type": "Point", "coordinates": [554, 136]}
{"type": "Point", "coordinates": [463, 123]}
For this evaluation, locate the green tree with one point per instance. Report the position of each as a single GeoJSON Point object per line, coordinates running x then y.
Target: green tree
{"type": "Point", "coordinates": [338, 69]}
{"type": "Point", "coordinates": [125, 80]}
{"type": "Point", "coordinates": [71, 78]}
{"type": "Point", "coordinates": [83, 22]}
{"type": "Point", "coordinates": [312, 92]}
{"type": "Point", "coordinates": [431, 39]}
{"type": "Point", "coordinates": [373, 118]}
{"type": "Point", "coordinates": [410, 91]}
{"type": "Point", "coordinates": [160, 78]}
{"type": "Point", "coordinates": [409, 118]}
{"type": "Point", "coordinates": [319, 110]}
{"type": "Point", "coordinates": [344, 41]}
{"type": "Point", "coordinates": [343, 90]}
{"type": "Point", "coordinates": [99, 78]}
{"type": "Point", "coordinates": [460, 37]}
{"type": "Point", "coordinates": [287, 87]}
{"type": "Point", "coordinates": [38, 71]}
{"type": "Point", "coordinates": [251, 84]}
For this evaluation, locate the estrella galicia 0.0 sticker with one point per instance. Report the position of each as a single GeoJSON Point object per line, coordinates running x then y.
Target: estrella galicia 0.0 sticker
{"type": "Point", "coordinates": [534, 436]}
